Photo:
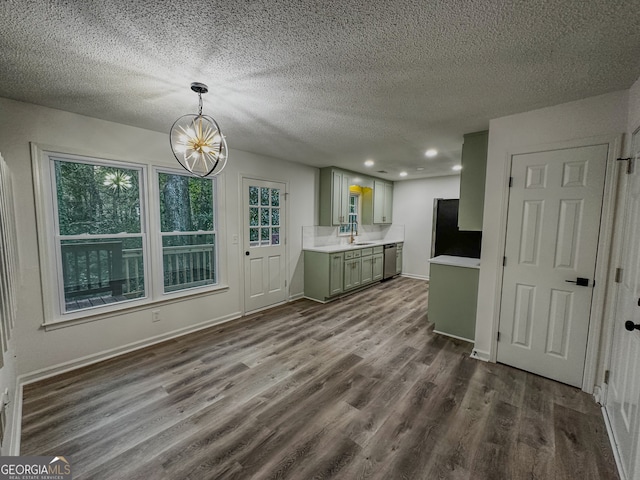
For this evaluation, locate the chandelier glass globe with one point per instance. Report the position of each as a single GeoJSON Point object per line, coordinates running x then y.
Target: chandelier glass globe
{"type": "Point", "coordinates": [197, 142]}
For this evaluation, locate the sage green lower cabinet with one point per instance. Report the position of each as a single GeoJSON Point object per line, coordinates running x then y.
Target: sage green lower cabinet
{"type": "Point", "coordinates": [323, 275]}
{"type": "Point", "coordinates": [378, 266]}
{"type": "Point", "coordinates": [328, 275]}
{"type": "Point", "coordinates": [352, 269]}
{"type": "Point", "coordinates": [399, 258]}
{"type": "Point", "coordinates": [453, 294]}
{"type": "Point", "coordinates": [335, 274]}
{"type": "Point", "coordinates": [367, 268]}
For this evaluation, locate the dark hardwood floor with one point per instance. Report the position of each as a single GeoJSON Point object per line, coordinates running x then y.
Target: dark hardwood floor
{"type": "Point", "coordinates": [360, 388]}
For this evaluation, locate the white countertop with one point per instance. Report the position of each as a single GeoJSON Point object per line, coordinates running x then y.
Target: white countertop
{"type": "Point", "coordinates": [456, 261]}
{"type": "Point", "coordinates": [346, 247]}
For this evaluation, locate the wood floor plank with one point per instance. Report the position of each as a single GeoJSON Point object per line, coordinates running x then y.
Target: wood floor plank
{"type": "Point", "coordinates": [361, 388]}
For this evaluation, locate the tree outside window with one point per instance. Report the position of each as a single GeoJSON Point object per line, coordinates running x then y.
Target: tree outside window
{"type": "Point", "coordinates": [187, 224]}
{"type": "Point", "coordinates": [100, 234]}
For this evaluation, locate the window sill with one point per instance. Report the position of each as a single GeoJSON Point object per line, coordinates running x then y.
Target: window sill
{"type": "Point", "coordinates": [167, 299]}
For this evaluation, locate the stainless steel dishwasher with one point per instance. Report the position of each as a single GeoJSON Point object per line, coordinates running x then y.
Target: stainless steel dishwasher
{"type": "Point", "coordinates": [389, 261]}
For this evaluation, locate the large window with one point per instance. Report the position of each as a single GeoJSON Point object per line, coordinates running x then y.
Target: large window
{"type": "Point", "coordinates": [351, 227]}
{"type": "Point", "coordinates": [187, 225]}
{"type": "Point", "coordinates": [99, 237]}
{"type": "Point", "coordinates": [94, 227]}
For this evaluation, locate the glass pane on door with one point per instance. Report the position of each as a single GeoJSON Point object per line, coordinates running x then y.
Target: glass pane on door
{"type": "Point", "coordinates": [264, 216]}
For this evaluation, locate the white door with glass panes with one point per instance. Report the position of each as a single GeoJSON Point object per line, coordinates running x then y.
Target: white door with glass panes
{"type": "Point", "coordinates": [623, 393]}
{"type": "Point", "coordinates": [264, 243]}
{"type": "Point", "coordinates": [553, 225]}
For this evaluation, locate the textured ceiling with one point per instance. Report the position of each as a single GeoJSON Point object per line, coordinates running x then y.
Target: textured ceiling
{"type": "Point", "coordinates": [320, 82]}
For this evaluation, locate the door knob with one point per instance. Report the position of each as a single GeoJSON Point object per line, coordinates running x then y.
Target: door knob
{"type": "Point", "coordinates": [629, 325]}
{"type": "Point", "coordinates": [581, 282]}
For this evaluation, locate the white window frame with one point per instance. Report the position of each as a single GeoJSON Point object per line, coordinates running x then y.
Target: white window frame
{"type": "Point", "coordinates": [50, 257]}
{"type": "Point", "coordinates": [358, 198]}
{"type": "Point", "coordinates": [157, 245]}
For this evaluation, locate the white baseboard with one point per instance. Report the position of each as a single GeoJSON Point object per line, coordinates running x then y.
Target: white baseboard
{"type": "Point", "coordinates": [480, 355]}
{"type": "Point", "coordinates": [41, 374]}
{"type": "Point", "coordinates": [15, 430]}
{"type": "Point", "coordinates": [599, 394]}
{"type": "Point", "coordinates": [297, 296]}
{"type": "Point", "coordinates": [614, 447]}
{"type": "Point", "coordinates": [313, 299]}
{"type": "Point", "coordinates": [417, 277]}
{"type": "Point", "coordinates": [453, 336]}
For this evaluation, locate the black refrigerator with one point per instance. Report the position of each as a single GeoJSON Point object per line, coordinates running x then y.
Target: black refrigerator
{"type": "Point", "coordinates": [447, 239]}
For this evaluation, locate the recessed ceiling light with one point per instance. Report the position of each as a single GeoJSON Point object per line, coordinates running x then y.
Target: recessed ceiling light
{"type": "Point", "coordinates": [457, 168]}
{"type": "Point", "coordinates": [420, 169]}
{"type": "Point", "coordinates": [369, 163]}
{"type": "Point", "coordinates": [432, 152]}
{"type": "Point", "coordinates": [403, 174]}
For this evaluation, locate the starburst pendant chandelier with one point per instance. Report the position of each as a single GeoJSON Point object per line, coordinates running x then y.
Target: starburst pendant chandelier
{"type": "Point", "coordinates": [197, 142]}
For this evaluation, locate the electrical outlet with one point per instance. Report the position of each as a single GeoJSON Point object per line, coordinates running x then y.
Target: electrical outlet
{"type": "Point", "coordinates": [155, 315]}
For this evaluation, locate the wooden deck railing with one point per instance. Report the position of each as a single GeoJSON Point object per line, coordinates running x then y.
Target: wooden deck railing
{"type": "Point", "coordinates": [92, 268]}
{"type": "Point", "coordinates": [95, 268]}
{"type": "Point", "coordinates": [188, 266]}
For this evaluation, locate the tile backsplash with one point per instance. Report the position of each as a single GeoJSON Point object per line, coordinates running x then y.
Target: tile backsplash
{"type": "Point", "coordinates": [316, 236]}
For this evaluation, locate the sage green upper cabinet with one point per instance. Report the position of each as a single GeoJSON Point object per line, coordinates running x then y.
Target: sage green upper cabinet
{"type": "Point", "coordinates": [340, 198]}
{"type": "Point", "coordinates": [334, 196]}
{"type": "Point", "coordinates": [382, 201]}
{"type": "Point", "coordinates": [472, 178]}
{"type": "Point", "coordinates": [377, 207]}
{"type": "Point", "coordinates": [336, 185]}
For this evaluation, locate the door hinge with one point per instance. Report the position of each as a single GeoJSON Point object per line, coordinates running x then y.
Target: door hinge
{"type": "Point", "coordinates": [498, 336]}
{"type": "Point", "coordinates": [606, 376]}
{"type": "Point", "coordinates": [618, 278]}
{"type": "Point", "coordinates": [510, 182]}
{"type": "Point", "coordinates": [504, 261]}
{"type": "Point", "coordinates": [630, 164]}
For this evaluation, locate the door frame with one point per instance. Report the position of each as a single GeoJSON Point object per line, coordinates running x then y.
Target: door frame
{"type": "Point", "coordinates": [603, 259]}
{"type": "Point", "coordinates": [240, 249]}
{"type": "Point", "coordinates": [612, 301]}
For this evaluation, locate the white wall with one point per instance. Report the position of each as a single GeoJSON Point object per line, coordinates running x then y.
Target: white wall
{"type": "Point", "coordinates": [37, 349]}
{"type": "Point", "coordinates": [633, 122]}
{"type": "Point", "coordinates": [413, 208]}
{"type": "Point", "coordinates": [595, 116]}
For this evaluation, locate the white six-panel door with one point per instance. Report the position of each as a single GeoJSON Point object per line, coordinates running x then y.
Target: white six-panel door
{"type": "Point", "coordinates": [264, 243]}
{"type": "Point", "coordinates": [552, 236]}
{"type": "Point", "coordinates": [623, 395]}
